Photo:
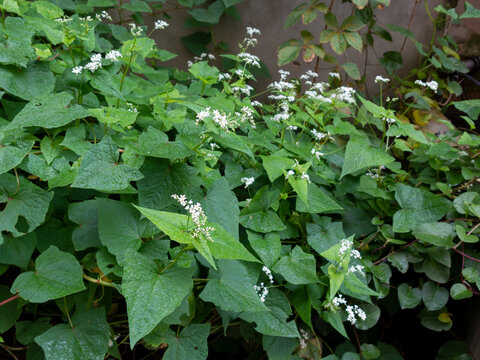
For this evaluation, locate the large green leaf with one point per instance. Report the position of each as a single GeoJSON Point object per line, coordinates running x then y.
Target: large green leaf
{"type": "Point", "coordinates": [26, 331]}
{"type": "Point", "coordinates": [88, 338]}
{"type": "Point", "coordinates": [273, 322]}
{"type": "Point", "coordinates": [56, 274]}
{"type": "Point", "coordinates": [434, 296]}
{"type": "Point", "coordinates": [418, 207]}
{"type": "Point", "coordinates": [35, 81]}
{"type": "Point", "coordinates": [201, 70]}
{"type": "Point", "coordinates": [439, 234]}
{"type": "Point", "coordinates": [223, 246]}
{"type": "Point", "coordinates": [360, 155]}
{"type": "Point", "coordinates": [297, 267]}
{"type": "Point", "coordinates": [268, 246]}
{"type": "Point", "coordinates": [18, 251]}
{"type": "Point", "coordinates": [275, 165]}
{"type": "Point", "coordinates": [84, 214]}
{"type": "Point", "coordinates": [190, 344]}
{"type": "Point", "coordinates": [11, 155]}
{"type": "Point", "coordinates": [16, 49]}
{"type": "Point", "coordinates": [101, 171]}
{"type": "Point", "coordinates": [49, 111]}
{"type": "Point", "coordinates": [155, 143]}
{"type": "Point", "coordinates": [211, 15]}
{"type": "Point", "coordinates": [231, 288]}
{"type": "Point", "coordinates": [119, 227]}
{"type": "Point", "coordinates": [28, 201]}
{"type": "Point", "coordinates": [151, 293]}
{"type": "Point", "coordinates": [319, 201]}
{"type": "Point", "coordinates": [163, 179]}
{"type": "Point", "coordinates": [324, 234]}
{"type": "Point", "coordinates": [221, 206]}
{"type": "Point", "coordinates": [262, 221]}
{"type": "Point", "coordinates": [409, 297]}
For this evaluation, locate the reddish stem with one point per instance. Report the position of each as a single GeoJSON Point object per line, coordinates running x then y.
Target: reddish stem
{"type": "Point", "coordinates": [9, 299]}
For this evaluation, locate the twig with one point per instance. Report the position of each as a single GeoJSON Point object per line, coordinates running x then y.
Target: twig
{"type": "Point", "coordinates": [8, 350]}
{"type": "Point", "coordinates": [386, 256]}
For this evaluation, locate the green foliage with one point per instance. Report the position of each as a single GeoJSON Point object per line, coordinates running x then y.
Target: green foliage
{"type": "Point", "coordinates": [152, 209]}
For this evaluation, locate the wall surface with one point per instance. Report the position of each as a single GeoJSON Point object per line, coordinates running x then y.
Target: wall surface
{"type": "Point", "coordinates": [269, 16]}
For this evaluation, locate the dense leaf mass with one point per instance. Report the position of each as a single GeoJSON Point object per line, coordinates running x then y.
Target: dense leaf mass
{"type": "Point", "coordinates": [147, 211]}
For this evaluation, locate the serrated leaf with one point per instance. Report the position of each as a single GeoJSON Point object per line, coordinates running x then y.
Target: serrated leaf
{"type": "Point", "coordinates": [288, 51]}
{"type": "Point", "coordinates": [418, 207]}
{"type": "Point", "coordinates": [354, 40]}
{"type": "Point", "coordinates": [231, 288]}
{"type": "Point", "coordinates": [297, 267]}
{"type": "Point", "coordinates": [28, 201]}
{"type": "Point", "coordinates": [11, 155]}
{"type": "Point", "coordinates": [409, 297]}
{"type": "Point", "coordinates": [352, 23]}
{"type": "Point", "coordinates": [49, 111]}
{"type": "Point", "coordinates": [360, 155]}
{"type": "Point", "coordinates": [273, 322]}
{"type": "Point", "coordinates": [101, 171]}
{"type": "Point", "coordinates": [151, 294]}
{"type": "Point", "coordinates": [87, 339]}
{"type": "Point", "coordinates": [338, 43]}
{"type": "Point", "coordinates": [57, 274]}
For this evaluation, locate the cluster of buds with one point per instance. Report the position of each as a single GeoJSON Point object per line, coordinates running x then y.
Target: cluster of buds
{"type": "Point", "coordinates": [247, 181]}
{"type": "Point", "coordinates": [198, 217]}
{"type": "Point", "coordinates": [262, 291]}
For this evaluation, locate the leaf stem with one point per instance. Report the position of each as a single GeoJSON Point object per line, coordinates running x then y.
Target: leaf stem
{"type": "Point", "coordinates": [66, 311]}
{"type": "Point", "coordinates": [9, 299]}
{"type": "Point", "coordinates": [98, 281]}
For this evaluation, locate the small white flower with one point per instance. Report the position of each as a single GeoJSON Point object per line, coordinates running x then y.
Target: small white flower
{"type": "Point", "coordinates": [339, 300]}
{"type": "Point", "coordinates": [214, 146]}
{"type": "Point", "coordinates": [160, 25]}
{"type": "Point", "coordinates": [335, 75]}
{"type": "Point", "coordinates": [77, 70]}
{"type": "Point", "coordinates": [198, 217]}
{"type": "Point", "coordinates": [262, 291]}
{"type": "Point", "coordinates": [253, 31]}
{"type": "Point", "coordinates": [292, 127]}
{"type": "Point", "coordinates": [289, 173]}
{"type": "Point", "coordinates": [268, 273]}
{"type": "Point", "coordinates": [113, 55]}
{"type": "Point", "coordinates": [304, 176]}
{"type": "Point", "coordinates": [432, 85]}
{"type": "Point", "coordinates": [381, 79]}
{"type": "Point", "coordinates": [202, 115]}
{"type": "Point", "coordinates": [247, 181]}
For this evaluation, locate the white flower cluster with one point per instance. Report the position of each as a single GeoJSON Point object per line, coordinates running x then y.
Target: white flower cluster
{"type": "Point", "coordinates": [244, 89]}
{"type": "Point", "coordinates": [381, 79]}
{"type": "Point", "coordinates": [160, 25]}
{"type": "Point", "coordinates": [113, 55]}
{"type": "Point", "coordinates": [136, 30]}
{"type": "Point", "coordinates": [284, 115]}
{"type": "Point", "coordinates": [247, 181]}
{"type": "Point", "coordinates": [432, 85]}
{"type": "Point", "coordinates": [198, 217]}
{"type": "Point", "coordinates": [246, 115]}
{"type": "Point", "coordinates": [96, 61]}
{"type": "Point", "coordinates": [335, 75]}
{"type": "Point", "coordinates": [304, 176]}
{"type": "Point", "coordinates": [224, 76]}
{"type": "Point", "coordinates": [289, 173]}
{"type": "Point", "coordinates": [250, 40]}
{"type": "Point", "coordinates": [292, 127]}
{"type": "Point", "coordinates": [223, 120]}
{"type": "Point", "coordinates": [256, 103]}
{"type": "Point", "coordinates": [319, 136]}
{"type": "Point", "coordinates": [214, 146]}
{"type": "Point", "coordinates": [303, 339]}
{"type": "Point", "coordinates": [346, 246]}
{"type": "Point", "coordinates": [308, 74]}
{"type": "Point", "coordinates": [268, 272]}
{"type": "Point", "coordinates": [203, 56]}
{"type": "Point", "coordinates": [356, 268]}
{"type": "Point", "coordinates": [262, 291]}
{"type": "Point", "coordinates": [345, 94]}
{"type": "Point", "coordinates": [131, 107]}
{"type": "Point", "coordinates": [103, 15]}
{"type": "Point", "coordinates": [317, 154]}
{"type": "Point", "coordinates": [353, 311]}
{"type": "Point", "coordinates": [389, 121]}
{"type": "Point", "coordinates": [249, 59]}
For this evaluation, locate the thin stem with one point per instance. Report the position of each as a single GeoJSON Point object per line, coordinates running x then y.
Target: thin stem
{"type": "Point", "coordinates": [127, 68]}
{"type": "Point", "coordinates": [9, 299]}
{"type": "Point", "coordinates": [396, 251]}
{"type": "Point", "coordinates": [66, 311]}
{"type": "Point", "coordinates": [9, 351]}
{"type": "Point", "coordinates": [409, 24]}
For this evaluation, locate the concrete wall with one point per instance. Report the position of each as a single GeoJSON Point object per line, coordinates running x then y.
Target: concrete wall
{"type": "Point", "coordinates": [269, 16]}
